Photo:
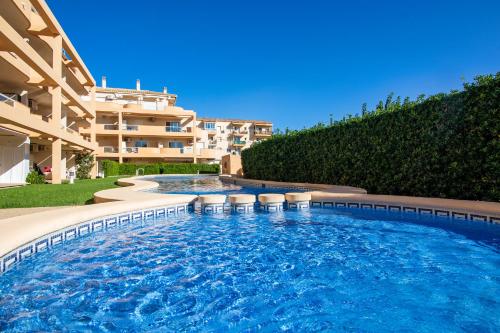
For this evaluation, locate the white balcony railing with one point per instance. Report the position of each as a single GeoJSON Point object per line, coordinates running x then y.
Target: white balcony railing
{"type": "Point", "coordinates": [130, 127]}
{"type": "Point", "coordinates": [130, 150]}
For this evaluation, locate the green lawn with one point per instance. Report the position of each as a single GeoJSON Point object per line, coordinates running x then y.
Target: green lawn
{"type": "Point", "coordinates": [46, 195]}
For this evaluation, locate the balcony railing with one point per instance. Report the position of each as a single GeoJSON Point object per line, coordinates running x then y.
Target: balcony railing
{"type": "Point", "coordinates": [110, 149]}
{"type": "Point", "coordinates": [110, 127]}
{"type": "Point", "coordinates": [130, 127]}
{"type": "Point", "coordinates": [176, 129]}
{"type": "Point", "coordinates": [263, 131]}
{"type": "Point", "coordinates": [130, 150]}
{"type": "Point", "coordinates": [240, 131]}
{"type": "Point", "coordinates": [10, 100]}
{"type": "Point", "coordinates": [239, 142]}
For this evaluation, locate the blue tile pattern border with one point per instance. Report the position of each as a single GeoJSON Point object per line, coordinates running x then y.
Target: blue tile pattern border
{"type": "Point", "coordinates": [441, 212]}
{"type": "Point", "coordinates": [81, 229]}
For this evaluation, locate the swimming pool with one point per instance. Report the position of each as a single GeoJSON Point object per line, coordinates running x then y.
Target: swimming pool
{"type": "Point", "coordinates": [316, 270]}
{"type": "Point", "coordinates": [206, 185]}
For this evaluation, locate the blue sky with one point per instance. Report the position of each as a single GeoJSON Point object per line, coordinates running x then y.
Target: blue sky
{"type": "Point", "coordinates": [291, 62]}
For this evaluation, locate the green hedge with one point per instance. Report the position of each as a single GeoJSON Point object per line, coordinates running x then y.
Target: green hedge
{"type": "Point", "coordinates": [113, 168]}
{"type": "Point", "coordinates": [447, 145]}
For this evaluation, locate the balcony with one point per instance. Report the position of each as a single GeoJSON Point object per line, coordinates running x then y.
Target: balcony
{"type": "Point", "coordinates": [158, 152]}
{"type": "Point", "coordinates": [107, 151]}
{"type": "Point", "coordinates": [238, 143]}
{"type": "Point", "coordinates": [177, 129]}
{"type": "Point", "coordinates": [238, 133]}
{"type": "Point", "coordinates": [130, 127]}
{"type": "Point", "coordinates": [110, 127]}
{"type": "Point", "coordinates": [262, 132]}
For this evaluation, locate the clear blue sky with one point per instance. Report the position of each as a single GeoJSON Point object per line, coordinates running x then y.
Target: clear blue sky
{"type": "Point", "coordinates": [291, 62]}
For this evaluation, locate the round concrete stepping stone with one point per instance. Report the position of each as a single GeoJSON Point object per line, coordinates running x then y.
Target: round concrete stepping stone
{"type": "Point", "coordinates": [298, 200]}
{"type": "Point", "coordinates": [210, 199]}
{"type": "Point", "coordinates": [212, 203]}
{"type": "Point", "coordinates": [242, 203]}
{"type": "Point", "coordinates": [271, 198]}
{"type": "Point", "coordinates": [271, 202]}
{"type": "Point", "coordinates": [242, 198]}
{"type": "Point", "coordinates": [297, 196]}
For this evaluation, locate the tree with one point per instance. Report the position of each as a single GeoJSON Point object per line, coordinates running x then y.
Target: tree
{"type": "Point", "coordinates": [364, 109]}
{"type": "Point", "coordinates": [388, 101]}
{"type": "Point", "coordinates": [84, 165]}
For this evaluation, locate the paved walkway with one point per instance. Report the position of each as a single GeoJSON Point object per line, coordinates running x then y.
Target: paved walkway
{"type": "Point", "coordinates": [9, 185]}
{"type": "Point", "coordinates": [5, 213]}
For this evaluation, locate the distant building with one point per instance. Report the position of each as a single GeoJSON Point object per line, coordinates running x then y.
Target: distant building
{"type": "Point", "coordinates": [134, 125]}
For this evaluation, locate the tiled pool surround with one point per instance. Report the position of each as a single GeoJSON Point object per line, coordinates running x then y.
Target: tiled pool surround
{"type": "Point", "coordinates": [18, 240]}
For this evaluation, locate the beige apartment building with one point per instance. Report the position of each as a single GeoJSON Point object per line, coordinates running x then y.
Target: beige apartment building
{"type": "Point", "coordinates": [51, 109]}
{"type": "Point", "coordinates": [139, 126]}
{"type": "Point", "coordinates": [41, 80]}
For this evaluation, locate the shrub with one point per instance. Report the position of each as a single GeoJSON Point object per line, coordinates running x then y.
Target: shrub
{"type": "Point", "coordinates": [84, 165]}
{"type": "Point", "coordinates": [444, 146]}
{"type": "Point", "coordinates": [113, 168]}
{"type": "Point", "coordinates": [35, 178]}
{"type": "Point", "coordinates": [110, 168]}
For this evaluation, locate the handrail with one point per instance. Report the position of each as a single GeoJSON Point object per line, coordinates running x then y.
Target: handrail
{"type": "Point", "coordinates": [8, 99]}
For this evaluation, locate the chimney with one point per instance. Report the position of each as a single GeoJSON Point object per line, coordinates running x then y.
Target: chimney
{"type": "Point", "coordinates": [164, 90]}
{"type": "Point", "coordinates": [138, 84]}
{"type": "Point", "coordinates": [103, 81]}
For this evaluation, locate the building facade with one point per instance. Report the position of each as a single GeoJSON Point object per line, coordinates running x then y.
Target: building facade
{"type": "Point", "coordinates": [140, 126]}
{"type": "Point", "coordinates": [51, 109]}
{"type": "Point", "coordinates": [42, 79]}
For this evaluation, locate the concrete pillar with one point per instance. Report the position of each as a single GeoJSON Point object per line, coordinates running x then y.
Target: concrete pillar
{"type": "Point", "coordinates": [24, 97]}
{"type": "Point", "coordinates": [93, 136]}
{"type": "Point", "coordinates": [56, 96]}
{"type": "Point", "coordinates": [56, 161]}
{"type": "Point", "coordinates": [120, 137]}
{"type": "Point", "coordinates": [195, 143]}
{"type": "Point", "coordinates": [63, 165]}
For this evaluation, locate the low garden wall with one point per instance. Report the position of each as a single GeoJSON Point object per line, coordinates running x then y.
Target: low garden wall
{"type": "Point", "coordinates": [445, 146]}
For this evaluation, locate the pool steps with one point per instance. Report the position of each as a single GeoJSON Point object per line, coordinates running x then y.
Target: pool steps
{"type": "Point", "coordinates": [245, 203]}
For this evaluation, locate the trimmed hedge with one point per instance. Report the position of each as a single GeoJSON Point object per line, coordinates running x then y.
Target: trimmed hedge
{"type": "Point", "coordinates": [113, 168]}
{"type": "Point", "coordinates": [447, 145]}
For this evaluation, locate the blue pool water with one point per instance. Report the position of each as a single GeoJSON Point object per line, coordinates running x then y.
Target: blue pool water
{"type": "Point", "coordinates": [346, 270]}
{"type": "Point", "coordinates": [205, 185]}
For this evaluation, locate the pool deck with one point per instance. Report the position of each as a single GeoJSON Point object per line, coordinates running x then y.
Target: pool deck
{"type": "Point", "coordinates": [21, 227]}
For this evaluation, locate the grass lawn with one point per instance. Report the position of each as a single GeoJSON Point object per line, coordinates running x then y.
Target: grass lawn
{"type": "Point", "coordinates": [46, 195]}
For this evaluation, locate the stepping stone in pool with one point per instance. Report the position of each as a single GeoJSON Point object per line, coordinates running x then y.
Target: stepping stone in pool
{"type": "Point", "coordinates": [242, 203]}
{"type": "Point", "coordinates": [298, 200]}
{"type": "Point", "coordinates": [212, 203]}
{"type": "Point", "coordinates": [271, 202]}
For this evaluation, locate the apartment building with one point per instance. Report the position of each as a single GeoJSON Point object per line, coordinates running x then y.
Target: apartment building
{"type": "Point", "coordinates": [42, 79]}
{"type": "Point", "coordinates": [51, 109]}
{"type": "Point", "coordinates": [230, 136]}
{"type": "Point", "coordinates": [139, 126]}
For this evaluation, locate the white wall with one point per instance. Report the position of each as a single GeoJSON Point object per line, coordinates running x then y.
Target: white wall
{"type": "Point", "coordinates": [14, 158]}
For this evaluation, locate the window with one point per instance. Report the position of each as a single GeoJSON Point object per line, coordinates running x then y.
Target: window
{"type": "Point", "coordinates": [141, 144]}
{"type": "Point", "coordinates": [210, 126]}
{"type": "Point", "coordinates": [173, 126]}
{"type": "Point", "coordinates": [175, 144]}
